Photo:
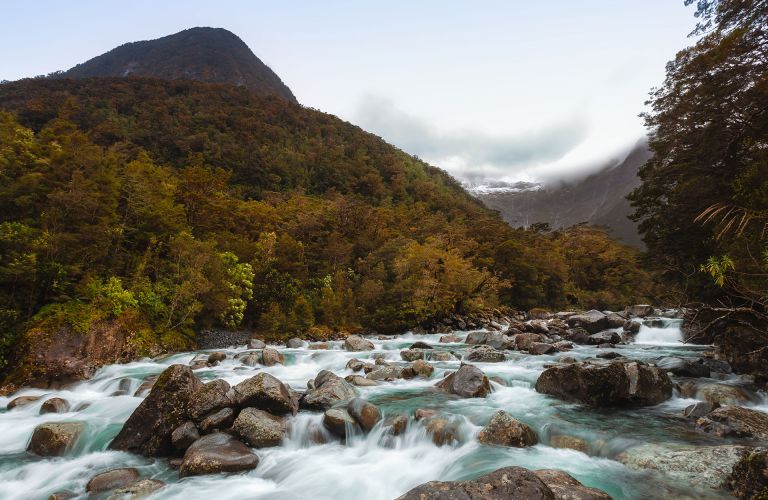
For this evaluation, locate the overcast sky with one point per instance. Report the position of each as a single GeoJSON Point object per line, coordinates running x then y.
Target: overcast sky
{"type": "Point", "coordinates": [503, 90]}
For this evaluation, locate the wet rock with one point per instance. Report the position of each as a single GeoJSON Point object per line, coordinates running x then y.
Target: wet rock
{"type": "Point", "coordinates": [684, 367]}
{"type": "Point", "coordinates": [259, 428]}
{"type": "Point", "coordinates": [566, 487]}
{"type": "Point", "coordinates": [336, 420]}
{"type": "Point", "coordinates": [563, 345]}
{"type": "Point", "coordinates": [396, 424]}
{"type": "Point", "coordinates": [631, 326]}
{"type": "Point", "coordinates": [539, 348]}
{"type": "Point", "coordinates": [476, 338]}
{"type": "Point", "coordinates": [703, 465]}
{"type": "Point", "coordinates": [265, 392]}
{"type": "Point", "coordinates": [615, 320]}
{"type": "Point", "coordinates": [749, 477]}
{"type": "Point", "coordinates": [385, 373]}
{"type": "Point", "coordinates": [355, 365]}
{"type": "Point", "coordinates": [442, 431]}
{"type": "Point", "coordinates": [567, 360]}
{"type": "Point", "coordinates": [412, 354]}
{"type": "Point", "coordinates": [55, 439]}
{"type": "Point", "coordinates": [256, 344]}
{"type": "Point", "coordinates": [697, 410]}
{"type": "Point", "coordinates": [608, 355]}
{"type": "Point", "coordinates": [720, 394]}
{"type": "Point", "coordinates": [22, 401]}
{"type": "Point", "coordinates": [569, 442]}
{"type": "Point", "coordinates": [217, 453]}
{"type": "Point", "coordinates": [498, 380]}
{"type": "Point", "coordinates": [145, 386]}
{"type": "Point", "coordinates": [140, 489]}
{"type": "Point", "coordinates": [295, 343]}
{"type": "Point", "coordinates": [111, 479]}
{"type": "Point", "coordinates": [523, 341]}
{"type": "Point", "coordinates": [504, 430]}
{"type": "Point", "coordinates": [485, 354]}
{"type": "Point", "coordinates": [360, 381]}
{"type": "Point", "coordinates": [506, 483]}
{"type": "Point", "coordinates": [717, 366]}
{"type": "Point", "coordinates": [606, 383]}
{"type": "Point", "coordinates": [319, 346]}
{"type": "Point", "coordinates": [216, 357]}
{"type": "Point", "coordinates": [357, 343]}
{"type": "Point", "coordinates": [734, 421]}
{"type": "Point", "coordinates": [184, 435]}
{"type": "Point", "coordinates": [420, 345]}
{"type": "Point", "coordinates": [639, 310]}
{"type": "Point", "coordinates": [209, 398]}
{"type": "Point", "coordinates": [422, 369]}
{"type": "Point", "coordinates": [606, 337]}
{"type": "Point", "coordinates": [366, 414]}
{"type": "Point", "coordinates": [468, 382]}
{"type": "Point", "coordinates": [380, 360]}
{"type": "Point", "coordinates": [148, 430]}
{"type": "Point", "coordinates": [62, 495]}
{"type": "Point", "coordinates": [272, 357]}
{"type": "Point", "coordinates": [329, 390]}
{"type": "Point", "coordinates": [54, 405]}
{"type": "Point", "coordinates": [450, 339]}
{"type": "Point", "coordinates": [218, 420]}
{"type": "Point", "coordinates": [441, 356]}
{"type": "Point", "coordinates": [592, 321]}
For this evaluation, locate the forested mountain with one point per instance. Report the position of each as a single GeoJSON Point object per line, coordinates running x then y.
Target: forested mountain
{"type": "Point", "coordinates": [599, 199]}
{"type": "Point", "coordinates": [212, 55]}
{"type": "Point", "coordinates": [146, 209]}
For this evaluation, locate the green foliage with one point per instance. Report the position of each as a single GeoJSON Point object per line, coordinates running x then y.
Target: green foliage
{"type": "Point", "coordinates": [111, 296]}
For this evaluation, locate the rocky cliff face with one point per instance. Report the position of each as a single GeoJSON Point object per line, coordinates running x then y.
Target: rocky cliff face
{"type": "Point", "coordinates": [600, 199]}
{"type": "Point", "coordinates": [211, 55]}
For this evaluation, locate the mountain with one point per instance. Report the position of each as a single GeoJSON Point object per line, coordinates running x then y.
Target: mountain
{"type": "Point", "coordinates": [598, 200]}
{"type": "Point", "coordinates": [211, 55]}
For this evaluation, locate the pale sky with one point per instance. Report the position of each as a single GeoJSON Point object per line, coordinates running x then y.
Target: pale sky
{"type": "Point", "coordinates": [492, 89]}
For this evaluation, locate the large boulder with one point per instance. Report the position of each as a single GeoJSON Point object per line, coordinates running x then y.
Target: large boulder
{"type": "Point", "coordinates": [468, 382]}
{"type": "Point", "coordinates": [592, 321]}
{"type": "Point", "coordinates": [504, 430]}
{"type": "Point", "coordinates": [338, 420]}
{"type": "Point", "coordinates": [713, 393]}
{"type": "Point", "coordinates": [735, 421]}
{"type": "Point", "coordinates": [701, 465]}
{"type": "Point", "coordinates": [366, 414]}
{"type": "Point", "coordinates": [216, 453]}
{"type": "Point", "coordinates": [749, 477]}
{"type": "Point", "coordinates": [54, 405]}
{"type": "Point", "coordinates": [209, 398]}
{"type": "Point", "coordinates": [272, 357]}
{"type": "Point", "coordinates": [566, 487]}
{"type": "Point", "coordinates": [259, 428]}
{"type": "Point", "coordinates": [503, 484]}
{"type": "Point", "coordinates": [54, 439]}
{"type": "Point", "coordinates": [111, 479]}
{"type": "Point", "coordinates": [607, 383]}
{"type": "Point", "coordinates": [148, 430]}
{"type": "Point", "coordinates": [357, 343]}
{"type": "Point", "coordinates": [523, 341]}
{"type": "Point", "coordinates": [329, 390]}
{"type": "Point", "coordinates": [265, 392]}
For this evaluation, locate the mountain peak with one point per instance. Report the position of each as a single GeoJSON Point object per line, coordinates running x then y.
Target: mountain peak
{"type": "Point", "coordinates": [211, 55]}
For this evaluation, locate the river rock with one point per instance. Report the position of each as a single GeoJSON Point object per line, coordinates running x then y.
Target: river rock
{"type": "Point", "coordinates": [259, 428]}
{"type": "Point", "coordinates": [366, 414]}
{"type": "Point", "coordinates": [22, 401]}
{"type": "Point", "coordinates": [442, 431]}
{"type": "Point", "coordinates": [569, 442]}
{"type": "Point", "coordinates": [420, 345]}
{"type": "Point", "coordinates": [412, 354]}
{"type": "Point", "coordinates": [357, 343]}
{"type": "Point", "coordinates": [250, 359]}
{"type": "Point", "coordinates": [148, 430]}
{"type": "Point", "coordinates": [468, 382]}
{"type": "Point", "coordinates": [385, 372]}
{"type": "Point", "coordinates": [145, 386]}
{"type": "Point", "coordinates": [211, 397]}
{"type": "Point", "coordinates": [592, 321]}
{"type": "Point", "coordinates": [684, 367]}
{"type": "Point", "coordinates": [216, 357]}
{"type": "Point", "coordinates": [54, 405]}
{"type": "Point", "coordinates": [184, 435]}
{"type": "Point", "coordinates": [485, 354]}
{"type": "Point", "coordinates": [734, 421]}
{"type": "Point", "coordinates": [698, 410]}
{"type": "Point", "coordinates": [140, 489]}
{"type": "Point", "coordinates": [713, 393]}
{"type": "Point", "coordinates": [615, 320]}
{"type": "Point", "coordinates": [476, 338]}
{"type": "Point", "coordinates": [632, 326]}
{"type": "Point", "coordinates": [523, 341]}
{"type": "Point", "coordinates": [506, 483]}
{"type": "Point", "coordinates": [216, 453]}
{"type": "Point", "coordinates": [218, 420]}
{"type": "Point", "coordinates": [606, 383]}
{"type": "Point", "coordinates": [749, 476]}
{"type": "Point", "coordinates": [355, 365]}
{"type": "Point", "coordinates": [111, 479]}
{"type": "Point", "coordinates": [272, 357]}
{"type": "Point", "coordinates": [336, 420]}
{"type": "Point", "coordinates": [704, 465]}
{"type": "Point", "coordinates": [265, 392]}
{"type": "Point", "coordinates": [360, 381]}
{"type": "Point", "coordinates": [422, 369]}
{"type": "Point", "coordinates": [504, 430]}
{"type": "Point", "coordinates": [450, 339]}
{"type": "Point", "coordinates": [62, 495]}
{"type": "Point", "coordinates": [295, 343]}
{"type": "Point", "coordinates": [396, 425]}
{"type": "Point", "coordinates": [329, 390]}
{"type": "Point", "coordinates": [566, 487]}
{"type": "Point", "coordinates": [639, 310]}
{"type": "Point", "coordinates": [256, 344]}
{"type": "Point", "coordinates": [441, 356]}
{"type": "Point", "coordinates": [539, 348]}
{"type": "Point", "coordinates": [605, 337]}
{"type": "Point", "coordinates": [54, 439]}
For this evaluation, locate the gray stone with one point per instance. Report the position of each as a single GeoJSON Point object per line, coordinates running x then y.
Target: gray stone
{"type": "Point", "coordinates": [55, 439]}
{"type": "Point", "coordinates": [217, 453]}
{"type": "Point", "coordinates": [259, 428]}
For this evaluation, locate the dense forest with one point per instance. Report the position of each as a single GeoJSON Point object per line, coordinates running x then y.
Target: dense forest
{"type": "Point", "coordinates": [703, 201]}
{"type": "Point", "coordinates": [169, 206]}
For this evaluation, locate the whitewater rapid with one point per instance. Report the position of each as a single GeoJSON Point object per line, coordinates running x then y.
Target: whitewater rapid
{"type": "Point", "coordinates": [373, 466]}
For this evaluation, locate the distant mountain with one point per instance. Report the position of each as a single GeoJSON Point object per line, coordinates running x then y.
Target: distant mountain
{"type": "Point", "coordinates": [211, 55]}
{"type": "Point", "coordinates": [599, 200]}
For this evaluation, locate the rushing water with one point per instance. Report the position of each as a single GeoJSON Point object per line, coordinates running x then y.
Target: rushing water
{"type": "Point", "coordinates": [373, 466]}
